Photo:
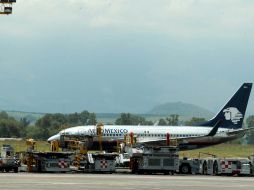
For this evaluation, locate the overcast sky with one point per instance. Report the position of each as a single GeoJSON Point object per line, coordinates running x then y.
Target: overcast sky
{"type": "Point", "coordinates": [124, 55]}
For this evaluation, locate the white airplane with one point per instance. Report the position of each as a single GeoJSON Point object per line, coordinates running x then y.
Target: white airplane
{"type": "Point", "coordinates": [225, 126]}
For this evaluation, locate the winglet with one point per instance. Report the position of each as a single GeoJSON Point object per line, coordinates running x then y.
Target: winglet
{"type": "Point", "coordinates": [214, 129]}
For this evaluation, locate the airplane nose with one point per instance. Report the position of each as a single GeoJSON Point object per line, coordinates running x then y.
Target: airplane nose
{"type": "Point", "coordinates": [54, 137]}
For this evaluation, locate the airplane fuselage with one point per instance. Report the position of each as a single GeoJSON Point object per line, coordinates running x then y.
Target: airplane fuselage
{"type": "Point", "coordinates": [113, 134]}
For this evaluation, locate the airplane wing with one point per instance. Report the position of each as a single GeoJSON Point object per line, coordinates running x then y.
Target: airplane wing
{"type": "Point", "coordinates": [163, 142]}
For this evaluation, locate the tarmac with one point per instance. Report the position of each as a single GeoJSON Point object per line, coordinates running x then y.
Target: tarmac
{"type": "Point", "coordinates": [33, 181]}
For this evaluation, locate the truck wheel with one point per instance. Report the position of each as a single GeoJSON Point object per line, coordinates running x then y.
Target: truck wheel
{"type": "Point", "coordinates": [16, 170]}
{"type": "Point", "coordinates": [7, 170]}
{"type": "Point", "coordinates": [185, 169]}
{"type": "Point", "coordinates": [215, 168]}
{"type": "Point", "coordinates": [204, 171]}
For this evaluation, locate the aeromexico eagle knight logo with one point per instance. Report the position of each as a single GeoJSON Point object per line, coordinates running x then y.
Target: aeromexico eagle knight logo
{"type": "Point", "coordinates": [232, 114]}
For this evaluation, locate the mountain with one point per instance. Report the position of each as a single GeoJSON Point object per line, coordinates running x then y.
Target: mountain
{"type": "Point", "coordinates": [182, 109]}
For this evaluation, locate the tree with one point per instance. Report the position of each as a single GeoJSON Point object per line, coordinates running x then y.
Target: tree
{"type": "Point", "coordinates": [34, 132]}
{"type": "Point", "coordinates": [3, 115]}
{"type": "Point", "coordinates": [162, 122]}
{"type": "Point", "coordinates": [24, 122]}
{"type": "Point", "coordinates": [129, 119]}
{"type": "Point", "coordinates": [92, 119]}
{"type": "Point", "coordinates": [74, 119]}
{"type": "Point", "coordinates": [84, 117]}
{"type": "Point", "coordinates": [172, 119]}
{"type": "Point", "coordinates": [51, 124]}
{"type": "Point", "coordinates": [9, 128]}
{"type": "Point", "coordinates": [125, 119]}
{"type": "Point", "coordinates": [250, 135]}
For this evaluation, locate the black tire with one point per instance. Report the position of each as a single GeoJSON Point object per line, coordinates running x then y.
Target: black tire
{"type": "Point", "coordinates": [16, 170]}
{"type": "Point", "coordinates": [185, 169]}
{"type": "Point", "coordinates": [251, 169]}
{"type": "Point", "coordinates": [7, 170]}
{"type": "Point", "coordinates": [215, 168]}
{"type": "Point", "coordinates": [204, 170]}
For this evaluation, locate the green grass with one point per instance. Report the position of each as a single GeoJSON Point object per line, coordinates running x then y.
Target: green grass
{"type": "Point", "coordinates": [20, 146]}
{"type": "Point", "coordinates": [222, 150]}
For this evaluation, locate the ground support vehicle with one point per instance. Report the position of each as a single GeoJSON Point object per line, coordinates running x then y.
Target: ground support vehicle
{"type": "Point", "coordinates": [123, 160]}
{"type": "Point", "coordinates": [6, 6]}
{"type": "Point", "coordinates": [8, 160]}
{"type": "Point", "coordinates": [47, 161]}
{"type": "Point", "coordinates": [100, 163]}
{"type": "Point", "coordinates": [79, 161]}
{"type": "Point", "coordinates": [190, 166]}
{"type": "Point", "coordinates": [228, 166]}
{"type": "Point", "coordinates": [251, 158]}
{"type": "Point", "coordinates": [155, 160]}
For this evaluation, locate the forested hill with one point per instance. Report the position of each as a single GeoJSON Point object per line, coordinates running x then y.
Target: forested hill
{"type": "Point", "coordinates": [30, 116]}
{"type": "Point", "coordinates": [182, 109]}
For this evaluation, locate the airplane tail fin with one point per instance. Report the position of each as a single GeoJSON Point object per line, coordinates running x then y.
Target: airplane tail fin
{"type": "Point", "coordinates": [232, 114]}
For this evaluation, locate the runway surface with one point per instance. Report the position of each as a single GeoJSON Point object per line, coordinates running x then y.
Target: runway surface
{"type": "Point", "coordinates": [27, 181]}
